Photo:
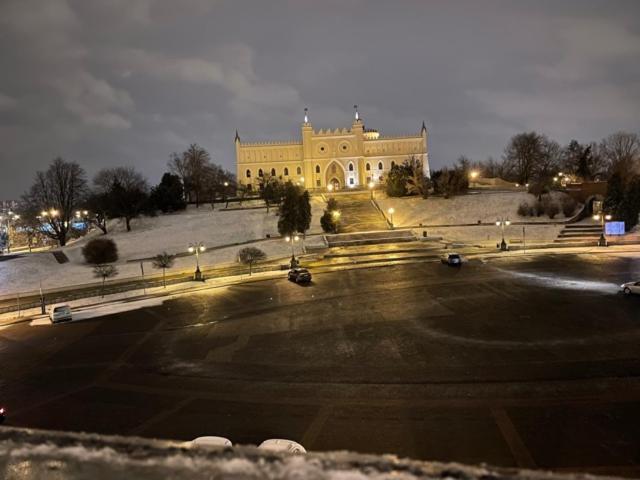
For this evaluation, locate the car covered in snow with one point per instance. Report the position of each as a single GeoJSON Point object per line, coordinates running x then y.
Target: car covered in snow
{"type": "Point", "coordinates": [630, 287]}
{"type": "Point", "coordinates": [282, 445]}
{"type": "Point", "coordinates": [60, 313]}
{"type": "Point", "coordinates": [211, 442]}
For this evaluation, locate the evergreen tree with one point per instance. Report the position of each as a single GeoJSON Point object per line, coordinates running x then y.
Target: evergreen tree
{"type": "Point", "coordinates": [615, 194]}
{"type": "Point", "coordinates": [295, 210]}
{"type": "Point", "coordinates": [168, 196]}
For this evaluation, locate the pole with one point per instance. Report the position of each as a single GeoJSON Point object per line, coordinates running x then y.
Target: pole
{"type": "Point", "coordinates": [144, 286]}
{"type": "Point", "coordinates": [524, 241]}
{"type": "Point", "coordinates": [43, 309]}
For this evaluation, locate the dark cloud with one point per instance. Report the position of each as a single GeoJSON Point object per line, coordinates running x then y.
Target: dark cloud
{"type": "Point", "coordinates": [127, 82]}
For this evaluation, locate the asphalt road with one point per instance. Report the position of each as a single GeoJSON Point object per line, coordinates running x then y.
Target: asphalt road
{"type": "Point", "coordinates": [530, 362]}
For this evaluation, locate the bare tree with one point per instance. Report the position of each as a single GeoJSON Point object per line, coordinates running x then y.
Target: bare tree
{"type": "Point", "coordinates": [251, 255]}
{"type": "Point", "coordinates": [521, 155]}
{"type": "Point", "coordinates": [127, 192]}
{"type": "Point", "coordinates": [191, 166]}
{"type": "Point", "coordinates": [57, 193]}
{"type": "Point", "coordinates": [621, 152]}
{"type": "Point", "coordinates": [163, 260]}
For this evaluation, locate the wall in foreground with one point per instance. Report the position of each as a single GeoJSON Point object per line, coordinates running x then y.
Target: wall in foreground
{"type": "Point", "coordinates": [36, 454]}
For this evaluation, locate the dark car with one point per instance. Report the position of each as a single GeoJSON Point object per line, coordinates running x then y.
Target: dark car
{"type": "Point", "coordinates": [299, 275]}
{"type": "Point", "coordinates": [2, 414]}
{"type": "Point", "coordinates": [454, 259]}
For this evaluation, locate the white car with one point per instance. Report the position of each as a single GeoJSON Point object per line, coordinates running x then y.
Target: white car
{"type": "Point", "coordinates": [60, 313]}
{"type": "Point", "coordinates": [211, 442]}
{"type": "Point", "coordinates": [282, 445]}
{"type": "Point", "coordinates": [630, 287]}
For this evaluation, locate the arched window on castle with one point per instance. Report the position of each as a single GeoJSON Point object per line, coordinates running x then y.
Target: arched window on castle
{"type": "Point", "coordinates": [248, 173]}
{"type": "Point", "coordinates": [367, 167]}
{"type": "Point", "coordinates": [286, 171]}
{"type": "Point", "coordinates": [317, 168]}
{"type": "Point", "coordinates": [260, 174]}
{"type": "Point", "coordinates": [273, 172]}
{"type": "Point", "coordinates": [351, 167]}
{"type": "Point", "coordinates": [299, 171]}
{"type": "Point", "coordinates": [380, 167]}
{"type": "Point", "coordinates": [393, 164]}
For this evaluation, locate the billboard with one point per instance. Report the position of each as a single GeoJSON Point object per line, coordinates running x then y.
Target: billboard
{"type": "Point", "coordinates": [614, 228]}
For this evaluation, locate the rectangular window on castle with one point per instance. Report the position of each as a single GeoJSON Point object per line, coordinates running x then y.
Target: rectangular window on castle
{"type": "Point", "coordinates": [318, 183]}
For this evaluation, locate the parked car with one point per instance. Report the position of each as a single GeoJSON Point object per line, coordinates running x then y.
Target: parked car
{"type": "Point", "coordinates": [454, 259]}
{"type": "Point", "coordinates": [3, 414]}
{"type": "Point", "coordinates": [299, 275]}
{"type": "Point", "coordinates": [630, 287]}
{"type": "Point", "coordinates": [60, 313]}
{"type": "Point", "coordinates": [282, 445]}
{"type": "Point", "coordinates": [211, 442]}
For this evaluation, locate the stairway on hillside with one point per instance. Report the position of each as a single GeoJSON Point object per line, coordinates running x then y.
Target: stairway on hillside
{"type": "Point", "coordinates": [370, 238]}
{"type": "Point", "coordinates": [357, 214]}
{"type": "Point", "coordinates": [584, 233]}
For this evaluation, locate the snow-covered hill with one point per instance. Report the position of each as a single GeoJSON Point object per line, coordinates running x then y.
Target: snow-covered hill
{"type": "Point", "coordinates": [152, 235]}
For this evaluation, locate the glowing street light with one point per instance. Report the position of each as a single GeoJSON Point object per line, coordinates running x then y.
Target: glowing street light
{"type": "Point", "coordinates": [330, 187]}
{"type": "Point", "coordinates": [602, 217]}
{"type": "Point", "coordinates": [197, 248]}
{"type": "Point", "coordinates": [336, 219]}
{"type": "Point", "coordinates": [474, 174]}
{"type": "Point", "coordinates": [502, 223]}
{"type": "Point", "coordinates": [371, 185]}
{"type": "Point", "coordinates": [391, 211]}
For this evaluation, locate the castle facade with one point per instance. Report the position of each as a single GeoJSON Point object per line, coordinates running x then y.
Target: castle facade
{"type": "Point", "coordinates": [329, 159]}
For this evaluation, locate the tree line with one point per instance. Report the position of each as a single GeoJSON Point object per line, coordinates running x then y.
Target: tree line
{"type": "Point", "coordinates": [534, 161]}
{"type": "Point", "coordinates": [62, 194]}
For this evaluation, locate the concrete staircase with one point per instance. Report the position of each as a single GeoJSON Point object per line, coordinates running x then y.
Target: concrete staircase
{"type": "Point", "coordinates": [357, 213]}
{"type": "Point", "coordinates": [370, 238]}
{"type": "Point", "coordinates": [580, 233]}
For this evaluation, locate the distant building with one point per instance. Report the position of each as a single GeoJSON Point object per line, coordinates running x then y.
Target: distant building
{"type": "Point", "coordinates": [336, 159]}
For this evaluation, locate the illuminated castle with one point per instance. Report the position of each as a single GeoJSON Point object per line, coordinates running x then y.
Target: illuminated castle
{"type": "Point", "coordinates": [336, 159]}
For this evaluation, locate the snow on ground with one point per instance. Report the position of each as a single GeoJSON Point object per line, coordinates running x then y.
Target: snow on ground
{"type": "Point", "coordinates": [152, 235]}
{"type": "Point", "coordinates": [483, 206]}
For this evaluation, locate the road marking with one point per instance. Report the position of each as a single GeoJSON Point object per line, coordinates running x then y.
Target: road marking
{"type": "Point", "coordinates": [518, 449]}
{"type": "Point", "coordinates": [311, 435]}
{"type": "Point", "coordinates": [163, 415]}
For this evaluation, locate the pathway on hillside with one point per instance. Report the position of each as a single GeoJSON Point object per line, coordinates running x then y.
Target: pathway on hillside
{"type": "Point", "coordinates": [358, 213]}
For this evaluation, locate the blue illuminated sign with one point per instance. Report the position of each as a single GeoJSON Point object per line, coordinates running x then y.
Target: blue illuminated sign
{"type": "Point", "coordinates": [614, 228]}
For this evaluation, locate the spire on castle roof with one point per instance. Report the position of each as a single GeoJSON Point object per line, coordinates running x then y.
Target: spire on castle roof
{"type": "Point", "coordinates": [424, 127]}
{"type": "Point", "coordinates": [306, 115]}
{"type": "Point", "coordinates": [357, 116]}
{"type": "Point", "coordinates": [237, 136]}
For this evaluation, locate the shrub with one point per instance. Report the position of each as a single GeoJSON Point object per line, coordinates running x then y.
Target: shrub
{"type": "Point", "coordinates": [552, 209]}
{"type": "Point", "coordinates": [100, 251]}
{"type": "Point", "coordinates": [524, 210]}
{"type": "Point", "coordinates": [568, 206]}
{"type": "Point", "coordinates": [538, 208]}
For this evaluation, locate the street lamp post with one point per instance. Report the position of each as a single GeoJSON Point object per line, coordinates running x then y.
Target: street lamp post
{"type": "Point", "coordinates": [602, 241]}
{"type": "Point", "coordinates": [197, 248]}
{"type": "Point", "coordinates": [390, 211]}
{"type": "Point", "coordinates": [291, 239]}
{"type": "Point", "coordinates": [371, 185]}
{"type": "Point", "coordinates": [502, 223]}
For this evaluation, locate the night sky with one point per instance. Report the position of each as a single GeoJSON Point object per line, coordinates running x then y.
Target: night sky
{"type": "Point", "coordinates": [127, 82]}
